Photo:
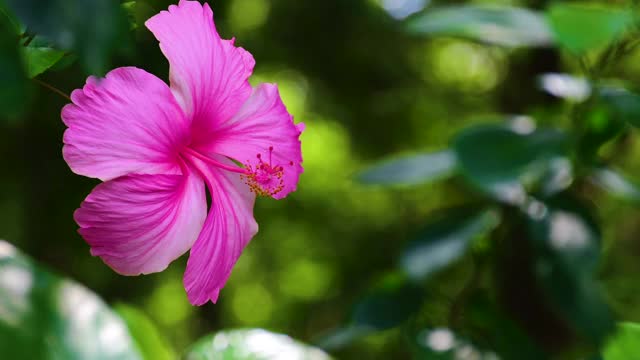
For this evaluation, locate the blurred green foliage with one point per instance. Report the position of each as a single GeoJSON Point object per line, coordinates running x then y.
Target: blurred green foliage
{"type": "Point", "coordinates": [494, 229]}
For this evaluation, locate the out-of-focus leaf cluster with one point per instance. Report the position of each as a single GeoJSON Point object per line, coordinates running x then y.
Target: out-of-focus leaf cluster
{"type": "Point", "coordinates": [530, 219]}
{"type": "Point", "coordinates": [44, 316]}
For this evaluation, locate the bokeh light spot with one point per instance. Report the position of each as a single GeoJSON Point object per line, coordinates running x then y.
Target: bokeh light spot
{"type": "Point", "coordinates": [252, 304]}
{"type": "Point", "coordinates": [306, 279]}
{"type": "Point", "coordinates": [168, 304]}
{"type": "Point", "coordinates": [246, 15]}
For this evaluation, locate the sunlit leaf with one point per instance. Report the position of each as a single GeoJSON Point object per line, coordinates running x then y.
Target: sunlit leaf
{"type": "Point", "coordinates": [624, 344]}
{"type": "Point", "coordinates": [94, 29]}
{"type": "Point", "coordinates": [444, 344]}
{"type": "Point", "coordinates": [43, 316]}
{"type": "Point", "coordinates": [557, 177]}
{"type": "Point", "coordinates": [616, 184]}
{"type": "Point", "coordinates": [502, 160]}
{"type": "Point", "coordinates": [567, 243]}
{"type": "Point", "coordinates": [252, 344]}
{"type": "Point", "coordinates": [411, 170]}
{"type": "Point", "coordinates": [566, 86]}
{"type": "Point", "coordinates": [508, 26]}
{"type": "Point", "coordinates": [145, 334]}
{"type": "Point", "coordinates": [445, 240]}
{"type": "Point", "coordinates": [40, 59]}
{"type": "Point", "coordinates": [579, 27]}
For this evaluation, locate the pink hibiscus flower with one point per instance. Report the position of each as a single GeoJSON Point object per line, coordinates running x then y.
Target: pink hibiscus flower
{"type": "Point", "coordinates": [155, 148]}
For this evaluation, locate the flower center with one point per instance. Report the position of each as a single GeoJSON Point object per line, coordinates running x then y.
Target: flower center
{"type": "Point", "coordinates": [264, 178]}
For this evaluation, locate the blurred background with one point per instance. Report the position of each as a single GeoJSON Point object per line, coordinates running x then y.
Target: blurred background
{"type": "Point", "coordinates": [367, 89]}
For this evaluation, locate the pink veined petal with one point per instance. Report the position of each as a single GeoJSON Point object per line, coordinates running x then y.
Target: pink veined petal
{"type": "Point", "coordinates": [128, 122]}
{"type": "Point", "coordinates": [227, 230]}
{"type": "Point", "coordinates": [261, 123]}
{"type": "Point", "coordinates": [138, 224]}
{"type": "Point", "coordinates": [208, 75]}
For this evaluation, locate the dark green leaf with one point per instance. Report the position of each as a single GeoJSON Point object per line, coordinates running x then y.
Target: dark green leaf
{"type": "Point", "coordinates": [40, 59]}
{"type": "Point", "coordinates": [43, 316]}
{"type": "Point", "coordinates": [507, 26]}
{"type": "Point", "coordinates": [341, 337]}
{"type": "Point", "coordinates": [146, 336]}
{"type": "Point", "coordinates": [387, 306]}
{"type": "Point", "coordinates": [411, 170]}
{"type": "Point", "coordinates": [13, 82]}
{"type": "Point", "coordinates": [568, 231]}
{"type": "Point", "coordinates": [502, 160]}
{"type": "Point", "coordinates": [7, 15]}
{"type": "Point", "coordinates": [567, 243]}
{"type": "Point", "coordinates": [624, 344]}
{"type": "Point", "coordinates": [252, 344]}
{"type": "Point", "coordinates": [579, 27]}
{"type": "Point", "coordinates": [500, 333]}
{"type": "Point", "coordinates": [624, 105]}
{"type": "Point", "coordinates": [94, 29]}
{"type": "Point", "coordinates": [446, 240]}
{"type": "Point", "coordinates": [616, 184]}
{"type": "Point", "coordinates": [603, 124]}
{"type": "Point", "coordinates": [67, 60]}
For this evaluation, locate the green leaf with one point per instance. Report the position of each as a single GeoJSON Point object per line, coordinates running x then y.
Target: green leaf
{"type": "Point", "coordinates": [604, 121]}
{"type": "Point", "coordinates": [624, 344]}
{"type": "Point", "coordinates": [580, 27]}
{"type": "Point", "coordinates": [67, 60]}
{"type": "Point", "coordinates": [616, 184]}
{"type": "Point", "coordinates": [503, 160]}
{"type": "Point", "coordinates": [145, 334]}
{"type": "Point", "coordinates": [94, 29]}
{"type": "Point", "coordinates": [623, 104]}
{"type": "Point", "coordinates": [40, 59]}
{"type": "Point", "coordinates": [507, 26]}
{"type": "Point", "coordinates": [7, 15]}
{"type": "Point", "coordinates": [14, 89]}
{"type": "Point", "coordinates": [411, 170]}
{"type": "Point", "coordinates": [446, 240]}
{"type": "Point", "coordinates": [388, 305]}
{"type": "Point", "coordinates": [567, 243]}
{"type": "Point", "coordinates": [252, 344]}
{"type": "Point", "coordinates": [500, 332]}
{"type": "Point", "coordinates": [138, 12]}
{"type": "Point", "coordinates": [43, 316]}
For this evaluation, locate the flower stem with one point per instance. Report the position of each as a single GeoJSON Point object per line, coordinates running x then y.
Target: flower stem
{"type": "Point", "coordinates": [52, 88]}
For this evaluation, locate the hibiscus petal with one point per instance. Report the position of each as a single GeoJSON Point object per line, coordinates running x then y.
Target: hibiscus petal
{"type": "Point", "coordinates": [208, 75]}
{"type": "Point", "coordinates": [228, 229]}
{"type": "Point", "coordinates": [128, 122]}
{"type": "Point", "coordinates": [138, 224]}
{"type": "Point", "coordinates": [263, 123]}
